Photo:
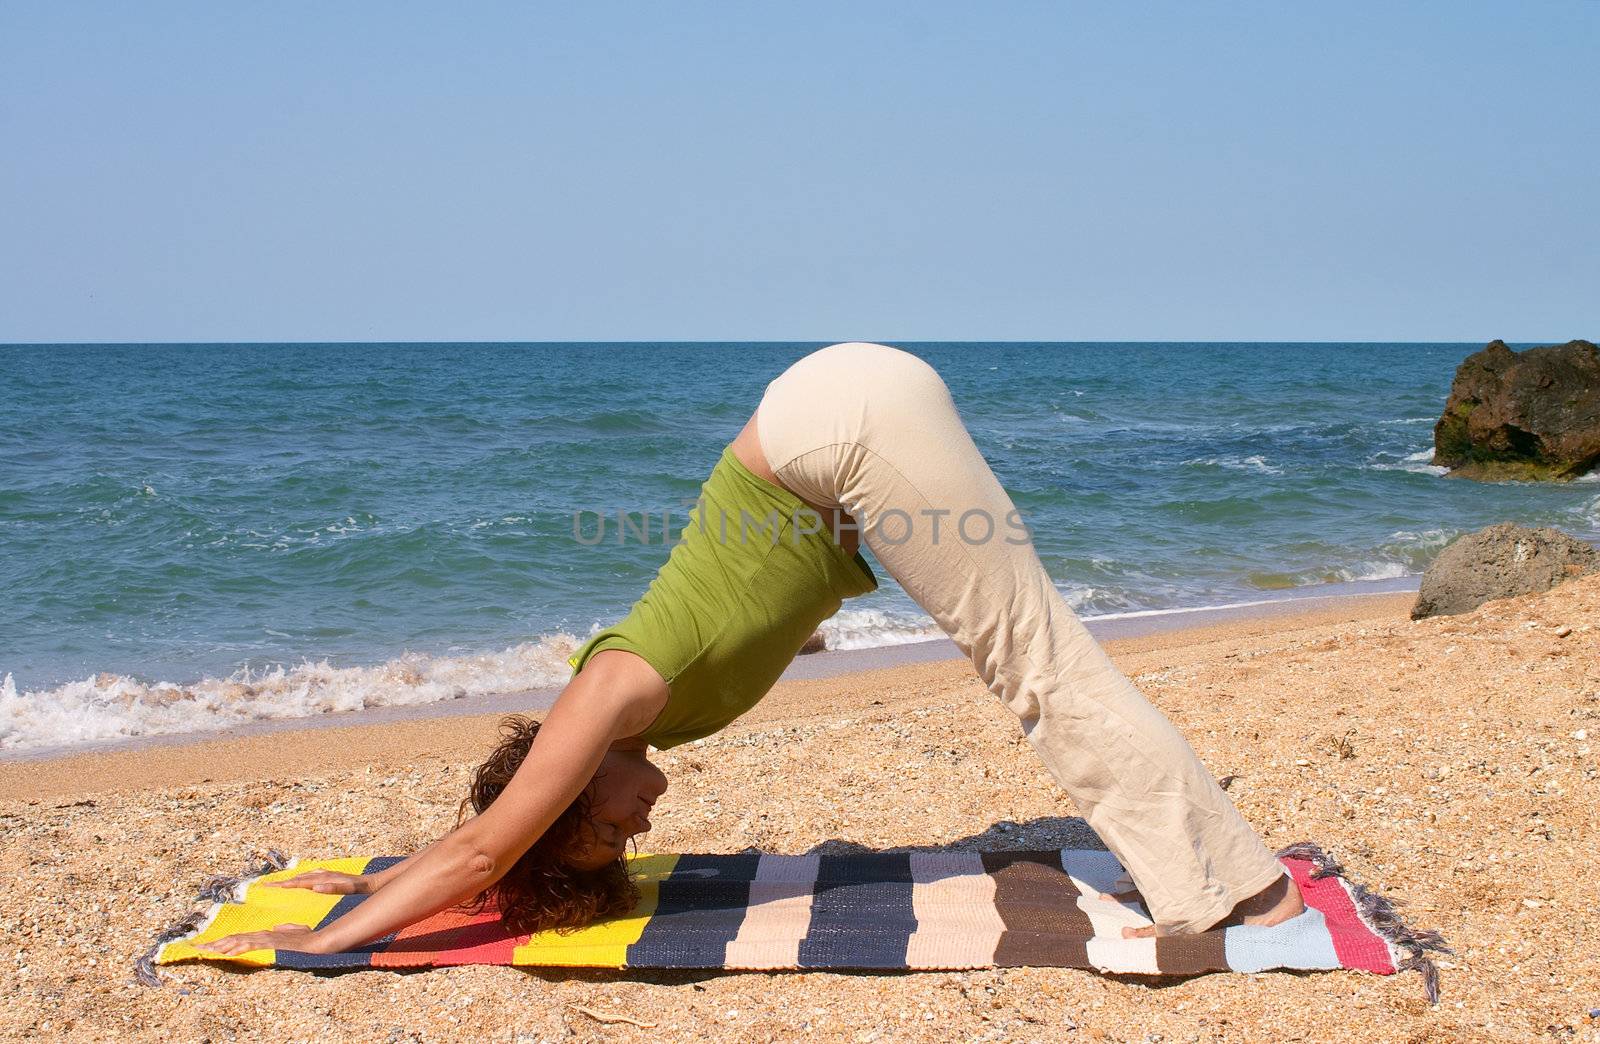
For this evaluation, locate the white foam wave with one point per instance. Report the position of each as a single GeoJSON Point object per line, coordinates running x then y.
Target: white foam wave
{"type": "Point", "coordinates": [1082, 597]}
{"type": "Point", "coordinates": [1424, 541]}
{"type": "Point", "coordinates": [310, 534]}
{"type": "Point", "coordinates": [1417, 463]}
{"type": "Point", "coordinates": [1407, 553]}
{"type": "Point", "coordinates": [1374, 571]}
{"type": "Point", "coordinates": [113, 706]}
{"type": "Point", "coordinates": [1133, 614]}
{"type": "Point", "coordinates": [1254, 463]}
{"type": "Point", "coordinates": [871, 628]}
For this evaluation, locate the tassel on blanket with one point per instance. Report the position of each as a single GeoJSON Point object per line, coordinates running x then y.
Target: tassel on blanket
{"type": "Point", "coordinates": [1379, 914]}
{"type": "Point", "coordinates": [220, 889]}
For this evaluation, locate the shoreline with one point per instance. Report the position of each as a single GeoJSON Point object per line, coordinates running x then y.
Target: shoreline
{"type": "Point", "coordinates": [825, 664]}
{"type": "Point", "coordinates": [463, 728]}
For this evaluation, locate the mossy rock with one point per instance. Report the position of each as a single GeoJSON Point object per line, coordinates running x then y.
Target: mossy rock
{"type": "Point", "coordinates": [1511, 471]}
{"type": "Point", "coordinates": [1531, 416]}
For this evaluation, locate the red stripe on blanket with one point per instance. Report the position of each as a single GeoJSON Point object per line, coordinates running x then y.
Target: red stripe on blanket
{"type": "Point", "coordinates": [451, 937]}
{"type": "Point", "coordinates": [1356, 945]}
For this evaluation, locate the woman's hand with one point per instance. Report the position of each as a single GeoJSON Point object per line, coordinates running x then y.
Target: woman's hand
{"type": "Point", "coordinates": [282, 937]}
{"type": "Point", "coordinates": [329, 882]}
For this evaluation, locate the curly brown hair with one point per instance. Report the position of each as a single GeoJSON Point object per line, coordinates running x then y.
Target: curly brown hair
{"type": "Point", "coordinates": [541, 891]}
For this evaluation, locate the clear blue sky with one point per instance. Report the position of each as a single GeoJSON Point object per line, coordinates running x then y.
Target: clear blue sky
{"type": "Point", "coordinates": [644, 171]}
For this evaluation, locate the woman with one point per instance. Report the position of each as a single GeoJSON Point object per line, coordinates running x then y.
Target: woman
{"type": "Point", "coordinates": [865, 438]}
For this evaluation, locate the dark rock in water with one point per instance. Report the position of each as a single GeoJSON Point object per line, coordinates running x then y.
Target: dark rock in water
{"type": "Point", "coordinates": [1500, 562]}
{"type": "Point", "coordinates": [814, 644]}
{"type": "Point", "coordinates": [1530, 415]}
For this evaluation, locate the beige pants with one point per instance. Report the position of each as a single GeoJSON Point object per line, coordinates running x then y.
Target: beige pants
{"type": "Point", "coordinates": [873, 430]}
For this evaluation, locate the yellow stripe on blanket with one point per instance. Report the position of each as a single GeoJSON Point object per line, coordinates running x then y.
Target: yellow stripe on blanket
{"type": "Point", "coordinates": [603, 945]}
{"type": "Point", "coordinates": [264, 909]}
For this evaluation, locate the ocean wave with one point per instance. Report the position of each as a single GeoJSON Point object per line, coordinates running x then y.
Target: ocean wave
{"type": "Point", "coordinates": [1356, 572]}
{"type": "Point", "coordinates": [1417, 463]}
{"type": "Point", "coordinates": [1080, 597]}
{"type": "Point", "coordinates": [1255, 463]}
{"type": "Point", "coordinates": [202, 534]}
{"type": "Point", "coordinates": [1373, 571]}
{"type": "Point", "coordinates": [1187, 431]}
{"type": "Point", "coordinates": [1424, 542]}
{"type": "Point", "coordinates": [114, 706]}
{"type": "Point", "coordinates": [612, 422]}
{"type": "Point", "coordinates": [871, 628]}
{"type": "Point", "coordinates": [1407, 552]}
{"type": "Point", "coordinates": [1133, 614]}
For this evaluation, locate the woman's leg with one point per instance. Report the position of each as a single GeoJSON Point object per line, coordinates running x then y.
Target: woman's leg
{"type": "Point", "coordinates": [873, 429]}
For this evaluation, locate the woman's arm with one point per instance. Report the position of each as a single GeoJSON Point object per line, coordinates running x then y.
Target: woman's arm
{"type": "Point", "coordinates": [334, 882]}
{"type": "Point", "coordinates": [597, 708]}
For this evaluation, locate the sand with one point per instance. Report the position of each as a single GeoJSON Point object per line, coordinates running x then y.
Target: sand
{"type": "Point", "coordinates": [1448, 762]}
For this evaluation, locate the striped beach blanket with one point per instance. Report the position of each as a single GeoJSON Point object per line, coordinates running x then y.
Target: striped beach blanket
{"type": "Point", "coordinates": [888, 911]}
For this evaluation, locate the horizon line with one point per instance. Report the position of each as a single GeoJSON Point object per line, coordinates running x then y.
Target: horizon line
{"type": "Point", "coordinates": [741, 341]}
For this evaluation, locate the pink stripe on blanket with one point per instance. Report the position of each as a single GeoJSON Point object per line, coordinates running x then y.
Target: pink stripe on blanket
{"type": "Point", "coordinates": [1356, 945]}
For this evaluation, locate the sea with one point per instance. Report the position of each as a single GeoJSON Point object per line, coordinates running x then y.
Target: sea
{"type": "Point", "coordinates": [194, 536]}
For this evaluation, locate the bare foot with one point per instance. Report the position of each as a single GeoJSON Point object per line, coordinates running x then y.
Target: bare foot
{"type": "Point", "coordinates": [1274, 904]}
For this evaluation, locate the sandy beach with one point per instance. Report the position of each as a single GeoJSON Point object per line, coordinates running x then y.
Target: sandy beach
{"type": "Point", "coordinates": [1447, 762]}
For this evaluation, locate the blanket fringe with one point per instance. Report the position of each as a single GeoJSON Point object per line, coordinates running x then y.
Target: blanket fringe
{"type": "Point", "coordinates": [220, 889]}
{"type": "Point", "coordinates": [1379, 913]}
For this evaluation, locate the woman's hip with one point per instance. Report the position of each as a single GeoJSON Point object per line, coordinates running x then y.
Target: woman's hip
{"type": "Point", "coordinates": [873, 430]}
{"type": "Point", "coordinates": [835, 408]}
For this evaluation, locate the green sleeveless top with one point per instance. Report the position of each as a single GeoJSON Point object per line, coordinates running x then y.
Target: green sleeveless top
{"type": "Point", "coordinates": [741, 591]}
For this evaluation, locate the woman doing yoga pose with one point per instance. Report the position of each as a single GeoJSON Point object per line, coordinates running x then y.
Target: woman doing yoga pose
{"type": "Point", "coordinates": [853, 441]}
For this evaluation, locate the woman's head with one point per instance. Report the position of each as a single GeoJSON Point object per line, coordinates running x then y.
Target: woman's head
{"type": "Point", "coordinates": [575, 873]}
